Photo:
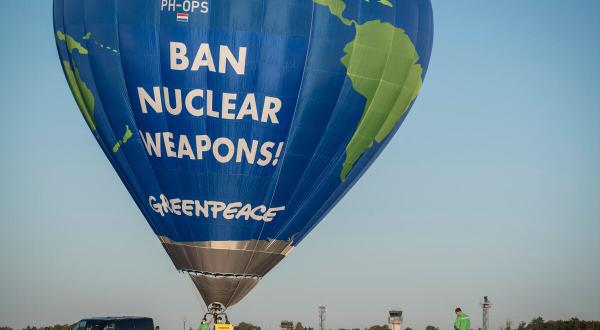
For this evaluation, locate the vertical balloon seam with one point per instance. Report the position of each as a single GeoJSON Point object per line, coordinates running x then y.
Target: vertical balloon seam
{"type": "Point", "coordinates": [204, 122]}
{"type": "Point", "coordinates": [414, 99]}
{"type": "Point", "coordinates": [335, 158]}
{"type": "Point", "coordinates": [343, 189]}
{"type": "Point", "coordinates": [71, 59]}
{"type": "Point", "coordinates": [408, 106]}
{"type": "Point", "coordinates": [315, 220]}
{"type": "Point", "coordinates": [340, 192]}
{"type": "Point", "coordinates": [427, 56]}
{"type": "Point", "coordinates": [54, 19]}
{"type": "Point", "coordinates": [136, 141]}
{"type": "Point", "coordinates": [352, 63]}
{"type": "Point", "coordinates": [306, 198]}
{"type": "Point", "coordinates": [158, 30]}
{"type": "Point", "coordinates": [296, 106]}
{"type": "Point", "coordinates": [164, 118]}
{"type": "Point", "coordinates": [134, 122]}
{"type": "Point", "coordinates": [396, 101]}
{"type": "Point", "coordinates": [156, 25]}
{"type": "Point", "coordinates": [100, 103]}
{"type": "Point", "coordinates": [319, 214]}
{"type": "Point", "coordinates": [324, 173]}
{"type": "Point", "coordinates": [130, 172]}
{"type": "Point", "coordinates": [137, 197]}
{"type": "Point", "coordinates": [381, 79]}
{"type": "Point", "coordinates": [72, 63]}
{"type": "Point", "coordinates": [300, 205]}
{"type": "Point", "coordinates": [100, 111]}
{"type": "Point", "coordinates": [318, 182]}
{"type": "Point", "coordinates": [274, 190]}
{"type": "Point", "coordinates": [279, 169]}
{"type": "Point", "coordinates": [253, 126]}
{"type": "Point", "coordinates": [292, 126]}
{"type": "Point", "coordinates": [302, 177]}
{"type": "Point", "coordinates": [292, 121]}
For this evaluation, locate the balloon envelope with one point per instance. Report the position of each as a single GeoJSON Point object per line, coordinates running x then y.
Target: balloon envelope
{"type": "Point", "coordinates": [236, 125]}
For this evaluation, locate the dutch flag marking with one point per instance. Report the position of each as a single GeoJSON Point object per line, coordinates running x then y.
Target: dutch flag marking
{"type": "Point", "coordinates": [182, 17]}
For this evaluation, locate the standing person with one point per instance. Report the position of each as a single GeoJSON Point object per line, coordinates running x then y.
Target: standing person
{"type": "Point", "coordinates": [204, 325]}
{"type": "Point", "coordinates": [463, 321]}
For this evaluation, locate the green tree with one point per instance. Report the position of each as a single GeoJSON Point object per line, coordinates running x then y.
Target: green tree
{"type": "Point", "coordinates": [299, 326]}
{"type": "Point", "coordinates": [408, 328]}
{"type": "Point", "coordinates": [6, 328]}
{"type": "Point", "coordinates": [536, 324]}
{"type": "Point", "coordinates": [60, 327]}
{"type": "Point", "coordinates": [288, 325]}
{"type": "Point", "coordinates": [431, 327]}
{"type": "Point", "coordinates": [246, 326]}
{"type": "Point", "coordinates": [379, 327]}
{"type": "Point", "coordinates": [50, 327]}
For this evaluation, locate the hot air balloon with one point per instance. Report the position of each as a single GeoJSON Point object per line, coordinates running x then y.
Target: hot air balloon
{"type": "Point", "coordinates": [236, 125]}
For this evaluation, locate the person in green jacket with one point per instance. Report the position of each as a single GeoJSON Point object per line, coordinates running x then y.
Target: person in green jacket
{"type": "Point", "coordinates": [204, 325]}
{"type": "Point", "coordinates": [463, 321]}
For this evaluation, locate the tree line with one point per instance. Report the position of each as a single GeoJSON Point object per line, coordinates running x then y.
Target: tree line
{"type": "Point", "coordinates": [51, 327]}
{"type": "Point", "coordinates": [537, 323]}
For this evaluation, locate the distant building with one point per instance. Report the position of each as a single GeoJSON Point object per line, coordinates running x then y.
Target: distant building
{"type": "Point", "coordinates": [287, 325]}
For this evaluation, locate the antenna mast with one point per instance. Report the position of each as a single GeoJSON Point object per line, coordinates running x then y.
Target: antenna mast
{"type": "Point", "coordinates": [322, 311]}
{"type": "Point", "coordinates": [485, 307]}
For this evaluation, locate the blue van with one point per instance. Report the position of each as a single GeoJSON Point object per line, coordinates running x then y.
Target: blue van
{"type": "Point", "coordinates": [115, 323]}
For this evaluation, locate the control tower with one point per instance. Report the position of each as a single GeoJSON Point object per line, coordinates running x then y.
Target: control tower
{"type": "Point", "coordinates": [395, 320]}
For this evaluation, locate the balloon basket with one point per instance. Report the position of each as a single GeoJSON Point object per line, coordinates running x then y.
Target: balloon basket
{"type": "Point", "coordinates": [216, 311]}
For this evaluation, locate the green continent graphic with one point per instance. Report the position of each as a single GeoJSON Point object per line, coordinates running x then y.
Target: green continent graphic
{"type": "Point", "coordinates": [381, 62]}
{"type": "Point", "coordinates": [71, 43]}
{"type": "Point", "coordinates": [386, 3]}
{"type": "Point", "coordinates": [383, 2]}
{"type": "Point", "coordinates": [126, 136]}
{"type": "Point", "coordinates": [81, 92]}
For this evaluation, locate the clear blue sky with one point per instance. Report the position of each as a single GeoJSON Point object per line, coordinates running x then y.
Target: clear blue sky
{"type": "Point", "coordinates": [491, 187]}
